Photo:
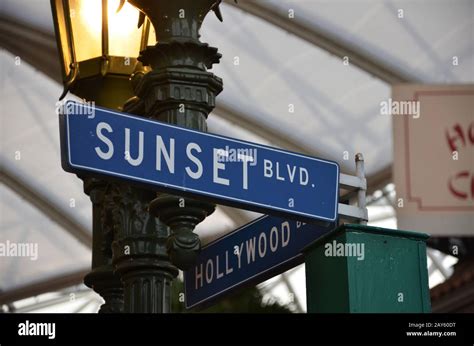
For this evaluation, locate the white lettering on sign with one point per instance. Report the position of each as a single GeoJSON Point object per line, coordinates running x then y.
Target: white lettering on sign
{"type": "Point", "coordinates": [288, 174]}
{"type": "Point", "coordinates": [250, 245]}
{"type": "Point", "coordinates": [189, 152]}
{"type": "Point", "coordinates": [135, 145]}
{"type": "Point", "coordinates": [209, 270]}
{"type": "Point", "coordinates": [227, 269]}
{"type": "Point", "coordinates": [168, 155]}
{"type": "Point", "coordinates": [198, 276]}
{"type": "Point", "coordinates": [285, 234]}
{"type": "Point", "coordinates": [110, 152]}
{"type": "Point", "coordinates": [219, 274]}
{"type": "Point", "coordinates": [239, 254]}
{"type": "Point", "coordinates": [139, 159]}
{"type": "Point", "coordinates": [274, 239]}
{"type": "Point", "coordinates": [255, 248]}
{"type": "Point", "coordinates": [217, 167]}
{"type": "Point", "coordinates": [245, 160]}
{"type": "Point", "coordinates": [262, 245]}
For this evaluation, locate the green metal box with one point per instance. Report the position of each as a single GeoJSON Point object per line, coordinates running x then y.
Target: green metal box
{"type": "Point", "coordinates": [358, 268]}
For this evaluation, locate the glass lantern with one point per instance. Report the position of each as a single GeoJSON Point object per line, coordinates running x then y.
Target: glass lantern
{"type": "Point", "coordinates": [99, 42]}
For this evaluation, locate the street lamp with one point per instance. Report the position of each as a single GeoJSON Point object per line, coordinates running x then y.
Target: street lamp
{"type": "Point", "coordinates": [143, 57]}
{"type": "Point", "coordinates": [98, 43]}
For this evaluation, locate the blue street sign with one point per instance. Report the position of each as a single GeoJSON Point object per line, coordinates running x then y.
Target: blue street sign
{"type": "Point", "coordinates": [251, 254]}
{"type": "Point", "coordinates": [179, 160]}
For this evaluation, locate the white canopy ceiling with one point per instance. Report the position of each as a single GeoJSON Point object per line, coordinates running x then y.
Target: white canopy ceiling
{"type": "Point", "coordinates": [336, 106]}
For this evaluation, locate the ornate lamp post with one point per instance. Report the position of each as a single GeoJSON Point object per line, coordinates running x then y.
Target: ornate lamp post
{"type": "Point", "coordinates": [168, 82]}
{"type": "Point", "coordinates": [178, 90]}
{"type": "Point", "coordinates": [98, 43]}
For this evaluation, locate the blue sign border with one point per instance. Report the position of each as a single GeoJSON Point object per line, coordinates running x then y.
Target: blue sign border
{"type": "Point", "coordinates": [255, 206]}
{"type": "Point", "coordinates": [256, 278]}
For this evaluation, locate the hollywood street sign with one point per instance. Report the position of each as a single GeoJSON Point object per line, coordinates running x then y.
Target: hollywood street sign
{"type": "Point", "coordinates": [223, 170]}
{"type": "Point", "coordinates": [251, 254]}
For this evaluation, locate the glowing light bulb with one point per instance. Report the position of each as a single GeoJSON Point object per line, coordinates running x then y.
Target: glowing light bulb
{"type": "Point", "coordinates": [124, 36]}
{"type": "Point", "coordinates": [86, 20]}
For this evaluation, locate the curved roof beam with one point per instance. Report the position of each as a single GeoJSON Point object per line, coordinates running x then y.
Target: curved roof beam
{"type": "Point", "coordinates": [45, 206]}
{"type": "Point", "coordinates": [46, 285]}
{"type": "Point", "coordinates": [326, 40]}
{"type": "Point", "coordinates": [251, 124]}
{"type": "Point", "coordinates": [374, 182]}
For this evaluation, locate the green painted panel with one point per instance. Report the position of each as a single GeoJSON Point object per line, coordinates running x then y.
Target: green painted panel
{"type": "Point", "coordinates": [376, 270]}
{"type": "Point", "coordinates": [324, 284]}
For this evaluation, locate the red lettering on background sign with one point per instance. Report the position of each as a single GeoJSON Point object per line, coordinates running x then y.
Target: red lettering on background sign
{"type": "Point", "coordinates": [456, 187]}
{"type": "Point", "coordinates": [461, 185]}
{"type": "Point", "coordinates": [460, 136]}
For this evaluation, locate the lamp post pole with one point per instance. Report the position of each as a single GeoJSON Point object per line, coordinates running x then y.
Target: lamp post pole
{"type": "Point", "coordinates": [148, 252]}
{"type": "Point", "coordinates": [103, 278]}
{"type": "Point", "coordinates": [93, 73]}
{"type": "Point", "coordinates": [106, 92]}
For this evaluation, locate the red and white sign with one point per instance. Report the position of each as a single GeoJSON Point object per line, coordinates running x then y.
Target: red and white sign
{"type": "Point", "coordinates": [434, 159]}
